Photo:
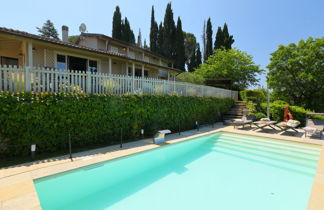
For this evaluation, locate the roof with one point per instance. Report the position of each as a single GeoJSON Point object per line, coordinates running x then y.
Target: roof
{"type": "Point", "coordinates": [124, 43]}
{"type": "Point", "coordinates": [75, 46]}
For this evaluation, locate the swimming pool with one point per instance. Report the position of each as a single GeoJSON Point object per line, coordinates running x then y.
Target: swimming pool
{"type": "Point", "coordinates": [219, 171]}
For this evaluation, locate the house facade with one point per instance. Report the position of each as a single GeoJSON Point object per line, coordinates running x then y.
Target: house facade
{"type": "Point", "coordinates": [92, 52]}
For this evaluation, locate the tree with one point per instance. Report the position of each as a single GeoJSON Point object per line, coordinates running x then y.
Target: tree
{"type": "Point", "coordinates": [228, 39]}
{"type": "Point", "coordinates": [190, 45]}
{"type": "Point", "coordinates": [191, 78]}
{"type": "Point", "coordinates": [117, 24]}
{"type": "Point", "coordinates": [169, 33]}
{"type": "Point", "coordinates": [154, 33]}
{"type": "Point", "coordinates": [139, 39]}
{"type": "Point", "coordinates": [48, 30]}
{"type": "Point", "coordinates": [179, 48]}
{"type": "Point", "coordinates": [127, 33]}
{"type": "Point", "coordinates": [296, 73]}
{"type": "Point", "coordinates": [160, 39]}
{"type": "Point", "coordinates": [219, 41]}
{"type": "Point", "coordinates": [231, 64]}
{"type": "Point", "coordinates": [73, 39]}
{"type": "Point", "coordinates": [192, 61]}
{"type": "Point", "coordinates": [198, 56]}
{"type": "Point", "coordinates": [145, 45]}
{"type": "Point", "coordinates": [203, 37]}
{"type": "Point", "coordinates": [209, 39]}
{"type": "Point", "coordinates": [223, 39]}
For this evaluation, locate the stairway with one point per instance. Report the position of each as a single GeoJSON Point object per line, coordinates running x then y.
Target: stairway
{"type": "Point", "coordinates": [236, 112]}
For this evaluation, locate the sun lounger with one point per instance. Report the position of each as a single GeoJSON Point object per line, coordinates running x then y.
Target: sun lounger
{"type": "Point", "coordinates": [246, 120]}
{"type": "Point", "coordinates": [291, 124]}
{"type": "Point", "coordinates": [261, 124]}
{"type": "Point", "coordinates": [314, 126]}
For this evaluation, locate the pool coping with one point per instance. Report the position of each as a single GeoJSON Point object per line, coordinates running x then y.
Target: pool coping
{"type": "Point", "coordinates": [17, 189]}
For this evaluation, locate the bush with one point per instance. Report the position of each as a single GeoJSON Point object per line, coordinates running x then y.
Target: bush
{"type": "Point", "coordinates": [47, 118]}
{"type": "Point", "coordinates": [277, 112]}
{"type": "Point", "coordinates": [256, 96]}
{"type": "Point", "coordinates": [190, 78]}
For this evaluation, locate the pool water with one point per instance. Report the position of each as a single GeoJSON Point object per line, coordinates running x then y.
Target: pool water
{"type": "Point", "coordinates": [220, 171]}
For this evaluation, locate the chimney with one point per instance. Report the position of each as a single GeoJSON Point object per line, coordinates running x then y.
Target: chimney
{"type": "Point", "coordinates": [65, 34]}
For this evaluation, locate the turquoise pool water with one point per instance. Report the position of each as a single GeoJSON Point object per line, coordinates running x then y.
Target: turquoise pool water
{"type": "Point", "coordinates": [220, 171]}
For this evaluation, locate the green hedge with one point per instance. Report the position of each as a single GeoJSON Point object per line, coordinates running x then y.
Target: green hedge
{"type": "Point", "coordinates": [277, 112]}
{"type": "Point", "coordinates": [47, 118]}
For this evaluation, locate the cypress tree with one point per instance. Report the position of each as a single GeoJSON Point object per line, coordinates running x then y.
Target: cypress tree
{"type": "Point", "coordinates": [160, 40]}
{"type": "Point", "coordinates": [127, 33]}
{"type": "Point", "coordinates": [219, 41]}
{"type": "Point", "coordinates": [154, 33]}
{"type": "Point", "coordinates": [48, 30]}
{"type": "Point", "coordinates": [169, 33]}
{"type": "Point", "coordinates": [117, 24]}
{"type": "Point", "coordinates": [192, 61]}
{"type": "Point", "coordinates": [139, 39]}
{"type": "Point", "coordinates": [198, 56]}
{"type": "Point", "coordinates": [180, 48]}
{"type": "Point", "coordinates": [209, 39]}
{"type": "Point", "coordinates": [228, 39]}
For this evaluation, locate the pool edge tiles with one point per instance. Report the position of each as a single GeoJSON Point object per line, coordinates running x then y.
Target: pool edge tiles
{"type": "Point", "coordinates": [11, 179]}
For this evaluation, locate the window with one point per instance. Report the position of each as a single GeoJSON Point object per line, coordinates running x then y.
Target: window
{"type": "Point", "coordinates": [61, 62]}
{"type": "Point", "coordinates": [163, 74]}
{"type": "Point", "coordinates": [93, 66]}
{"type": "Point", "coordinates": [9, 61]}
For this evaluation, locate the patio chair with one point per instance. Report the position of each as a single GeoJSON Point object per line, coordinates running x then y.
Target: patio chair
{"type": "Point", "coordinates": [314, 126]}
{"type": "Point", "coordinates": [246, 120]}
{"type": "Point", "coordinates": [290, 124]}
{"type": "Point", "coordinates": [264, 122]}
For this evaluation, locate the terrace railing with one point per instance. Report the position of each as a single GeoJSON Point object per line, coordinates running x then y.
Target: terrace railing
{"type": "Point", "coordinates": [24, 79]}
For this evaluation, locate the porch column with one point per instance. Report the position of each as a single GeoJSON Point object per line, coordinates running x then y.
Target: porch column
{"type": "Point", "coordinates": [133, 70]}
{"type": "Point", "coordinates": [30, 54]}
{"type": "Point", "coordinates": [168, 76]}
{"type": "Point", "coordinates": [109, 66]}
{"type": "Point", "coordinates": [133, 76]}
{"type": "Point", "coordinates": [142, 71]}
{"type": "Point", "coordinates": [126, 68]}
{"type": "Point", "coordinates": [160, 62]}
{"type": "Point", "coordinates": [128, 51]}
{"type": "Point", "coordinates": [143, 56]}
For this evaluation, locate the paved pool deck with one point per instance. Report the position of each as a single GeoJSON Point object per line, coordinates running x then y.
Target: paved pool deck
{"type": "Point", "coordinates": [17, 189]}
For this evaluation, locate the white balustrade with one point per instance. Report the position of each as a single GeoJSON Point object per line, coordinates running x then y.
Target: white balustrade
{"type": "Point", "coordinates": [24, 79]}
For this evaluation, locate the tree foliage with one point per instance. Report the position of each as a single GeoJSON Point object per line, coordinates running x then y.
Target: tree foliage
{"type": "Point", "coordinates": [296, 73]}
{"type": "Point", "coordinates": [48, 30]}
{"type": "Point", "coordinates": [180, 48]}
{"type": "Point", "coordinates": [154, 33]}
{"type": "Point", "coordinates": [190, 45]}
{"type": "Point", "coordinates": [209, 39]}
{"type": "Point", "coordinates": [117, 24]}
{"type": "Point", "coordinates": [169, 33]}
{"type": "Point", "coordinates": [223, 39]}
{"type": "Point", "coordinates": [190, 78]}
{"type": "Point", "coordinates": [121, 29]}
{"type": "Point", "coordinates": [231, 64]}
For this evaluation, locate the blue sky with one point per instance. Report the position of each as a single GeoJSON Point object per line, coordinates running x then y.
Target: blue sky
{"type": "Point", "coordinates": [258, 26]}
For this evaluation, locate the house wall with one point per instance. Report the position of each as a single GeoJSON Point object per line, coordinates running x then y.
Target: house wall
{"type": "Point", "coordinates": [90, 42]}
{"type": "Point", "coordinates": [101, 44]}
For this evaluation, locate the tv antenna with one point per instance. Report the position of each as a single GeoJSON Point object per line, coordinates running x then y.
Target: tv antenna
{"type": "Point", "coordinates": [82, 28]}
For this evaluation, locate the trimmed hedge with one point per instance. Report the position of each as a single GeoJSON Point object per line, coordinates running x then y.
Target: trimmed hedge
{"type": "Point", "coordinates": [47, 118]}
{"type": "Point", "coordinates": [277, 112]}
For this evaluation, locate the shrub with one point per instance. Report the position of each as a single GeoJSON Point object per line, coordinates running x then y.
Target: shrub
{"type": "Point", "coordinates": [47, 118]}
{"type": "Point", "coordinates": [190, 78]}
{"type": "Point", "coordinates": [256, 96]}
{"type": "Point", "coordinates": [277, 112]}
